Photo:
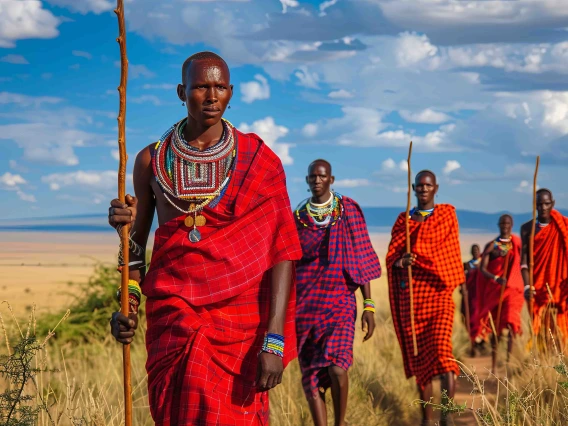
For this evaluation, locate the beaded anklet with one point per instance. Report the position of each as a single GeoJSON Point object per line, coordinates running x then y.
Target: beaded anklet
{"type": "Point", "coordinates": [369, 305]}
{"type": "Point", "coordinates": [273, 344]}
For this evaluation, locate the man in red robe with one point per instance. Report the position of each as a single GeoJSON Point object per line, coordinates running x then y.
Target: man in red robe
{"type": "Point", "coordinates": [437, 270]}
{"type": "Point", "coordinates": [470, 295]}
{"type": "Point", "coordinates": [500, 287]}
{"type": "Point", "coordinates": [220, 297]}
{"type": "Point", "coordinates": [550, 288]}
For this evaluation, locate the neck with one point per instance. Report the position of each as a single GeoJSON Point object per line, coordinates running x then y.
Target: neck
{"type": "Point", "coordinates": [426, 206]}
{"type": "Point", "coordinates": [542, 220]}
{"type": "Point", "coordinates": [505, 236]}
{"type": "Point", "coordinates": [322, 198]}
{"type": "Point", "coordinates": [200, 136]}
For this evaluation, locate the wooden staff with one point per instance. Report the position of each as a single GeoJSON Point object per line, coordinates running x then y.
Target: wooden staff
{"type": "Point", "coordinates": [410, 287]}
{"type": "Point", "coordinates": [531, 247]}
{"type": "Point", "coordinates": [125, 231]}
{"type": "Point", "coordinates": [465, 296]}
{"type": "Point", "coordinates": [505, 273]}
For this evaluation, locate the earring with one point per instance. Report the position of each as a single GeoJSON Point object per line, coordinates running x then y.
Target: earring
{"type": "Point", "coordinates": [229, 106]}
{"type": "Point", "coordinates": [308, 189]}
{"type": "Point", "coordinates": [183, 104]}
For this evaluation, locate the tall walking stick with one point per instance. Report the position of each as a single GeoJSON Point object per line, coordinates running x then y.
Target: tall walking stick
{"type": "Point", "coordinates": [531, 247]}
{"type": "Point", "coordinates": [465, 297]}
{"type": "Point", "coordinates": [125, 231]}
{"type": "Point", "coordinates": [410, 287]}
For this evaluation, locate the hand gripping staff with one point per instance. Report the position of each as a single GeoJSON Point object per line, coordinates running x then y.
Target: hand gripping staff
{"type": "Point", "coordinates": [410, 287]}
{"type": "Point", "coordinates": [125, 231]}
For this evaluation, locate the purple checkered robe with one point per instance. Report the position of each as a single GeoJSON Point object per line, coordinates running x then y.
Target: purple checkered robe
{"type": "Point", "coordinates": [336, 261]}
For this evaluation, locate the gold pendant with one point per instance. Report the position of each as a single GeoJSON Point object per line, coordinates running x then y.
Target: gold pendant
{"type": "Point", "coordinates": [188, 221]}
{"type": "Point", "coordinates": [200, 220]}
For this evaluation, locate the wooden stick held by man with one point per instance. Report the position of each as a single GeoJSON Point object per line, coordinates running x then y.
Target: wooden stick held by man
{"type": "Point", "coordinates": [408, 251]}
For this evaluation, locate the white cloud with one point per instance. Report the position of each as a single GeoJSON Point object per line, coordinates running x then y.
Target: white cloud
{"type": "Point", "coordinates": [11, 181]}
{"type": "Point", "coordinates": [325, 5]}
{"type": "Point", "coordinates": [306, 78]}
{"type": "Point", "coordinates": [86, 6]}
{"type": "Point", "coordinates": [25, 100]}
{"type": "Point", "coordinates": [82, 54]}
{"type": "Point", "coordinates": [288, 3]}
{"type": "Point", "coordinates": [403, 165]}
{"type": "Point", "coordinates": [163, 86]}
{"type": "Point", "coordinates": [30, 198]}
{"type": "Point", "coordinates": [525, 187]}
{"type": "Point", "coordinates": [21, 20]}
{"type": "Point", "coordinates": [340, 94]}
{"type": "Point", "coordinates": [427, 116]}
{"type": "Point", "coordinates": [388, 164]}
{"type": "Point", "coordinates": [86, 179]}
{"type": "Point", "coordinates": [413, 48]}
{"type": "Point", "coordinates": [310, 130]}
{"type": "Point", "coordinates": [14, 59]}
{"type": "Point", "coordinates": [115, 154]}
{"type": "Point", "coordinates": [270, 132]}
{"type": "Point", "coordinates": [255, 90]}
{"type": "Point", "coordinates": [451, 165]}
{"type": "Point", "coordinates": [351, 183]}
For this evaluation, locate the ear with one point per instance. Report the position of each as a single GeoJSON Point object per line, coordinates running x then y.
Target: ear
{"type": "Point", "coordinates": [181, 93]}
{"type": "Point", "coordinates": [553, 203]}
{"type": "Point", "coordinates": [413, 188]}
{"type": "Point", "coordinates": [231, 86]}
{"type": "Point", "coordinates": [332, 180]}
{"type": "Point", "coordinates": [307, 180]}
{"type": "Point", "coordinates": [437, 188]}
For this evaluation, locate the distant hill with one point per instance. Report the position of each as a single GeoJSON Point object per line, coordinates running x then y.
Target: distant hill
{"type": "Point", "coordinates": [378, 219]}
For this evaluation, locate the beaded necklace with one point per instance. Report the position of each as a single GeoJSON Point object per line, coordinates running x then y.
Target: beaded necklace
{"type": "Point", "coordinates": [542, 225]}
{"type": "Point", "coordinates": [503, 245]}
{"type": "Point", "coordinates": [422, 212]}
{"type": "Point", "coordinates": [188, 174]}
{"type": "Point", "coordinates": [321, 215]}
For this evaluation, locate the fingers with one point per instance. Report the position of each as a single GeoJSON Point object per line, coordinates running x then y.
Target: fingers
{"type": "Point", "coordinates": [131, 201]}
{"type": "Point", "coordinates": [370, 330]}
{"type": "Point", "coordinates": [122, 328]}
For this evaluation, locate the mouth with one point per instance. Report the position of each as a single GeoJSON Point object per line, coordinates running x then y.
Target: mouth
{"type": "Point", "coordinates": [211, 112]}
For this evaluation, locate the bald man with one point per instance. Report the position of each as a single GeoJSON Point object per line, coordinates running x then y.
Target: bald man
{"type": "Point", "coordinates": [437, 270]}
{"type": "Point", "coordinates": [550, 272]}
{"type": "Point", "coordinates": [220, 306]}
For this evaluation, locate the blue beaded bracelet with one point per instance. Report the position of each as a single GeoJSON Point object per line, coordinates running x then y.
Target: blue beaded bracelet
{"type": "Point", "coordinates": [273, 344]}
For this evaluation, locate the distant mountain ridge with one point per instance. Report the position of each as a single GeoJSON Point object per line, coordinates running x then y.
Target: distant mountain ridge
{"type": "Point", "coordinates": [378, 219]}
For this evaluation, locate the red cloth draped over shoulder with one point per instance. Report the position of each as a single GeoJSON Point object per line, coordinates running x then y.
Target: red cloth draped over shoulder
{"type": "Point", "coordinates": [438, 270]}
{"type": "Point", "coordinates": [551, 267]}
{"type": "Point", "coordinates": [208, 302]}
{"type": "Point", "coordinates": [490, 292]}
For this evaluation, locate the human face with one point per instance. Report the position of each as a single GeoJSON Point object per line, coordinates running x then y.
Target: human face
{"type": "Point", "coordinates": [207, 91]}
{"type": "Point", "coordinates": [425, 188]}
{"type": "Point", "coordinates": [544, 205]}
{"type": "Point", "coordinates": [505, 226]}
{"type": "Point", "coordinates": [319, 179]}
{"type": "Point", "coordinates": [475, 252]}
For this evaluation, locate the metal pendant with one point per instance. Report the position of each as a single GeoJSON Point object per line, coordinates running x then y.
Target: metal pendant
{"type": "Point", "coordinates": [188, 221]}
{"type": "Point", "coordinates": [194, 235]}
{"type": "Point", "coordinates": [200, 220]}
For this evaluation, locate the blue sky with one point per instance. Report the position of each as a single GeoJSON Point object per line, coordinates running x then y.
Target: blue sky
{"type": "Point", "coordinates": [479, 86]}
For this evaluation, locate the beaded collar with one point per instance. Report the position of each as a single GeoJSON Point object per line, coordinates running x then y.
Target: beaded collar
{"type": "Point", "coordinates": [423, 213]}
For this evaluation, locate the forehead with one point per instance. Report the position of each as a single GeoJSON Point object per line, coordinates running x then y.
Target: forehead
{"type": "Point", "coordinates": [543, 197]}
{"type": "Point", "coordinates": [425, 179]}
{"type": "Point", "coordinates": [505, 219]}
{"type": "Point", "coordinates": [318, 167]}
{"type": "Point", "coordinates": [208, 69]}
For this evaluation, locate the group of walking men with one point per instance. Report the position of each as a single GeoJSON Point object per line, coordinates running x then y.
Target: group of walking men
{"type": "Point", "coordinates": [239, 283]}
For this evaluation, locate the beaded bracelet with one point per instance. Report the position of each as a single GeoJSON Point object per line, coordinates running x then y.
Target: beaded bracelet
{"type": "Point", "coordinates": [273, 344]}
{"type": "Point", "coordinates": [134, 295]}
{"type": "Point", "coordinates": [369, 305]}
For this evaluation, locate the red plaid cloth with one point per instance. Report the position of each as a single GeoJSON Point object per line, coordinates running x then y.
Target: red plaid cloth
{"type": "Point", "coordinates": [490, 292]}
{"type": "Point", "coordinates": [551, 267]}
{"type": "Point", "coordinates": [208, 302]}
{"type": "Point", "coordinates": [438, 270]}
{"type": "Point", "coordinates": [336, 260]}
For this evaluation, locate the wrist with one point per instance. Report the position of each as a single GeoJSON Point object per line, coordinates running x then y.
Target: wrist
{"type": "Point", "coordinates": [273, 344]}
{"type": "Point", "coordinates": [369, 305]}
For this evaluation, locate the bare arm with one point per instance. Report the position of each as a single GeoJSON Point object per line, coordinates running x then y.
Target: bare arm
{"type": "Point", "coordinates": [485, 263]}
{"type": "Point", "coordinates": [368, 317]}
{"type": "Point", "coordinates": [525, 236]}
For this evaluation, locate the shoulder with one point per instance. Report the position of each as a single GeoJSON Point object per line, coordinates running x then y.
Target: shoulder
{"type": "Point", "coordinates": [526, 227]}
{"type": "Point", "coordinates": [446, 208]}
{"type": "Point", "coordinates": [144, 157]}
{"type": "Point", "coordinates": [516, 239]}
{"type": "Point", "coordinates": [253, 143]}
{"type": "Point", "coordinates": [302, 204]}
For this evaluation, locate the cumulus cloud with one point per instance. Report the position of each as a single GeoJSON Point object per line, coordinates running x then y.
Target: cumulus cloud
{"type": "Point", "coordinates": [25, 100]}
{"type": "Point", "coordinates": [85, 6]}
{"type": "Point", "coordinates": [525, 187]}
{"type": "Point", "coordinates": [21, 20]}
{"type": "Point", "coordinates": [30, 198]}
{"type": "Point", "coordinates": [288, 3]}
{"type": "Point", "coordinates": [427, 116]}
{"type": "Point", "coordinates": [340, 94]}
{"type": "Point", "coordinates": [82, 54]}
{"type": "Point", "coordinates": [86, 179]}
{"type": "Point", "coordinates": [11, 181]}
{"type": "Point", "coordinates": [326, 5]}
{"type": "Point", "coordinates": [137, 71]}
{"type": "Point", "coordinates": [310, 130]}
{"type": "Point", "coordinates": [270, 133]}
{"type": "Point", "coordinates": [413, 48]}
{"type": "Point", "coordinates": [451, 166]}
{"type": "Point", "coordinates": [255, 90]}
{"type": "Point", "coordinates": [306, 78]}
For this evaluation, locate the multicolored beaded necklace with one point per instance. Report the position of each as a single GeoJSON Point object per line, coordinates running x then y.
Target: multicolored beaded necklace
{"type": "Point", "coordinates": [423, 212]}
{"type": "Point", "coordinates": [542, 225]}
{"type": "Point", "coordinates": [503, 245]}
{"type": "Point", "coordinates": [199, 177]}
{"type": "Point", "coordinates": [321, 215]}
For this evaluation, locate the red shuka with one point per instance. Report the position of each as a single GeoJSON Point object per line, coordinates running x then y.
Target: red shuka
{"type": "Point", "coordinates": [437, 271]}
{"type": "Point", "coordinates": [472, 297]}
{"type": "Point", "coordinates": [490, 292]}
{"type": "Point", "coordinates": [551, 267]}
{"type": "Point", "coordinates": [208, 302]}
